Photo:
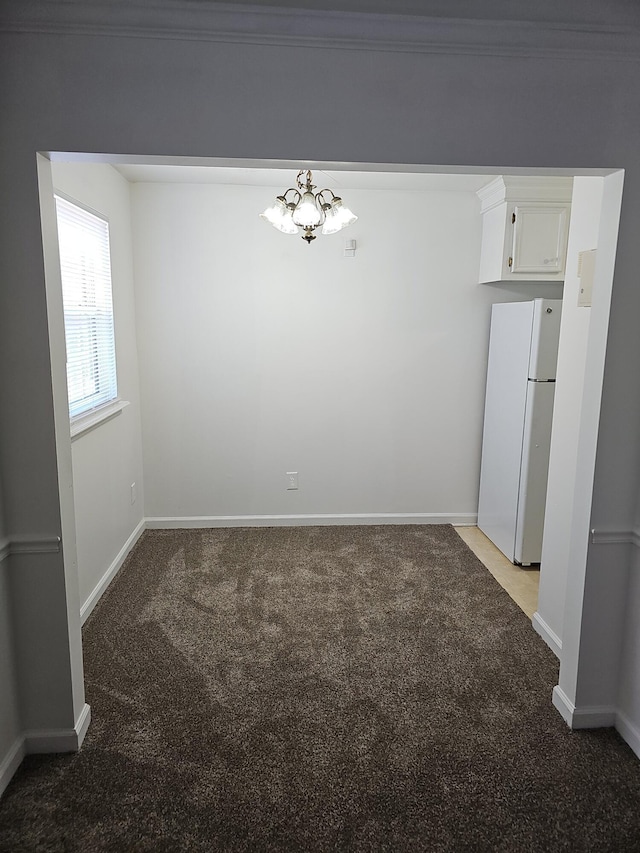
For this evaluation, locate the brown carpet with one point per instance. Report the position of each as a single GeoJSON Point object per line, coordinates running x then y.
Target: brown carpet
{"type": "Point", "coordinates": [320, 689]}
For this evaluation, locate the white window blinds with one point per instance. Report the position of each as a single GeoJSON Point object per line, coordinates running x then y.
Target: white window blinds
{"type": "Point", "coordinates": [88, 307]}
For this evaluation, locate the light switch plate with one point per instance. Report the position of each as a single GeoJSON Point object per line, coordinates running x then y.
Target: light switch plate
{"type": "Point", "coordinates": [586, 273]}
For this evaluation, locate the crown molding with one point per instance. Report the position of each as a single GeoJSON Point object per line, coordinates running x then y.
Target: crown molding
{"type": "Point", "coordinates": [523, 189]}
{"type": "Point", "coordinates": [193, 20]}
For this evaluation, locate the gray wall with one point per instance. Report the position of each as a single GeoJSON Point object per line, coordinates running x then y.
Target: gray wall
{"type": "Point", "coordinates": [9, 712]}
{"type": "Point", "coordinates": [506, 102]}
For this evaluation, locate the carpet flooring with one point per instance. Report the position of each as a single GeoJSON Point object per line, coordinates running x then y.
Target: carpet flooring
{"type": "Point", "coordinates": [320, 689]}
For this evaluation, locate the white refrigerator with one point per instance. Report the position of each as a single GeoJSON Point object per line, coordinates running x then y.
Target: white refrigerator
{"type": "Point", "coordinates": [523, 351]}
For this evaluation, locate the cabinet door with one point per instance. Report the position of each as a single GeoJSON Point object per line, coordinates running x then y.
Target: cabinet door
{"type": "Point", "coordinates": [539, 239]}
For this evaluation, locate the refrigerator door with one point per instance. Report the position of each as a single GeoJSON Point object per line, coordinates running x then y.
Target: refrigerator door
{"type": "Point", "coordinates": [504, 418]}
{"type": "Point", "coordinates": [544, 338]}
{"type": "Point", "coordinates": [532, 492]}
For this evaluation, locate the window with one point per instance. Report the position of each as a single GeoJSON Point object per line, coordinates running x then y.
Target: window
{"type": "Point", "coordinates": [88, 307]}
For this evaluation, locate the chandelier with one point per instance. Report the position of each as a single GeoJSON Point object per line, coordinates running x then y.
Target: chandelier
{"type": "Point", "coordinates": [308, 210]}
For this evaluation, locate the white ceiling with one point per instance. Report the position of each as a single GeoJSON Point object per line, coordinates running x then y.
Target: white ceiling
{"type": "Point", "coordinates": [282, 178]}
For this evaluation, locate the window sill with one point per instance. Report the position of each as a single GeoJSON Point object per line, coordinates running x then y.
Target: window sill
{"type": "Point", "coordinates": [90, 420]}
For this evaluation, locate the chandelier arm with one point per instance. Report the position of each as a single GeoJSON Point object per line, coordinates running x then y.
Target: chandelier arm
{"type": "Point", "coordinates": [319, 205]}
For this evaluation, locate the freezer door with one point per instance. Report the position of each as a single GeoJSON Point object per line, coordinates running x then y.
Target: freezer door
{"type": "Point", "coordinates": [532, 493]}
{"type": "Point", "coordinates": [545, 335]}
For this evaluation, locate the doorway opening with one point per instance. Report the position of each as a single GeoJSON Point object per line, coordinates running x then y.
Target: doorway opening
{"type": "Point", "coordinates": [259, 375]}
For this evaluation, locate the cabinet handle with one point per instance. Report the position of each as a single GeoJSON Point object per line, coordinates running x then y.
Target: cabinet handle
{"type": "Point", "coordinates": [510, 262]}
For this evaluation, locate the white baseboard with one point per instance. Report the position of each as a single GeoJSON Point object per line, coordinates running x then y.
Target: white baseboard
{"type": "Point", "coordinates": [590, 717]}
{"type": "Point", "coordinates": [563, 704]}
{"type": "Point", "coordinates": [550, 637]}
{"type": "Point", "coordinates": [460, 519]}
{"type": "Point", "coordinates": [597, 717]}
{"type": "Point", "coordinates": [111, 572]}
{"type": "Point", "coordinates": [59, 740]}
{"type": "Point", "coordinates": [628, 731]}
{"type": "Point", "coordinates": [51, 740]}
{"type": "Point", "coordinates": [594, 717]}
{"type": "Point", "coordinates": [82, 723]}
{"type": "Point", "coordinates": [11, 762]}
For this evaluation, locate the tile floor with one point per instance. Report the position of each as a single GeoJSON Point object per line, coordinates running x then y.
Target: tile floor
{"type": "Point", "coordinates": [521, 584]}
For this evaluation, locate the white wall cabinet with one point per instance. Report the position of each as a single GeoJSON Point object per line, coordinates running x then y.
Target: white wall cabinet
{"type": "Point", "coordinates": [525, 222]}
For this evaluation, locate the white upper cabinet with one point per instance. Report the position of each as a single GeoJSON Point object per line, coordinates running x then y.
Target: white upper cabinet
{"type": "Point", "coordinates": [525, 222]}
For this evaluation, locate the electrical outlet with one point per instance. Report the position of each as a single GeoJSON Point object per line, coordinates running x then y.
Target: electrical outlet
{"type": "Point", "coordinates": [292, 479]}
{"type": "Point", "coordinates": [134, 493]}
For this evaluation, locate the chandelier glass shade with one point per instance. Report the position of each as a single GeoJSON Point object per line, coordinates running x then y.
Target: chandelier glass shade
{"type": "Point", "coordinates": [300, 207]}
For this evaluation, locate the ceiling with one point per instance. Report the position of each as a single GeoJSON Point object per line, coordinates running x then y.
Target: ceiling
{"type": "Point", "coordinates": [282, 178]}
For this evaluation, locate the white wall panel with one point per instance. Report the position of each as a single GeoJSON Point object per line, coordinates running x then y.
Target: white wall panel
{"type": "Point", "coordinates": [570, 378]}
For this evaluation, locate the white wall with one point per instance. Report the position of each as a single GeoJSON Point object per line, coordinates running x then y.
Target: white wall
{"type": "Point", "coordinates": [108, 459]}
{"type": "Point", "coordinates": [261, 355]}
{"type": "Point", "coordinates": [572, 354]}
